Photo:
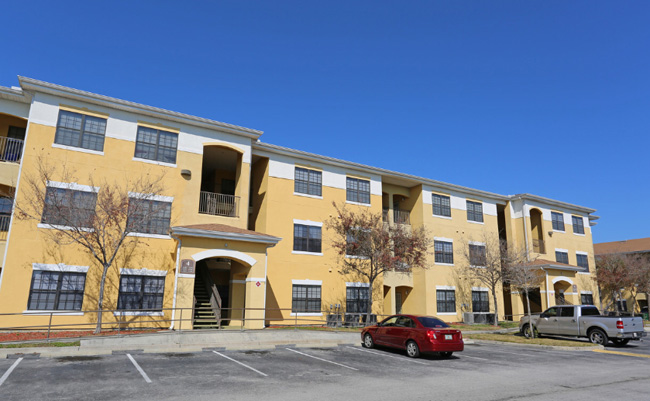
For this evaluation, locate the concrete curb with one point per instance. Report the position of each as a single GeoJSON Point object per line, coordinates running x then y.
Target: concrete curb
{"type": "Point", "coordinates": [555, 347]}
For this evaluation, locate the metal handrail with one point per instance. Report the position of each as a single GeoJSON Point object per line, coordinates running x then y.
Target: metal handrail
{"type": "Point", "coordinates": [4, 226]}
{"type": "Point", "coordinates": [539, 246]}
{"type": "Point", "coordinates": [219, 204]}
{"type": "Point", "coordinates": [401, 216]}
{"type": "Point", "coordinates": [11, 149]}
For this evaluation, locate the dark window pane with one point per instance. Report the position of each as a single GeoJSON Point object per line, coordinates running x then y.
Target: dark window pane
{"type": "Point", "coordinates": [56, 291]}
{"type": "Point", "coordinates": [153, 144]}
{"type": "Point", "coordinates": [306, 298]}
{"type": "Point", "coordinates": [79, 130]}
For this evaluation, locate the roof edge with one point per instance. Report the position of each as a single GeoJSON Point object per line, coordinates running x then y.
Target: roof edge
{"type": "Point", "coordinates": [552, 202]}
{"type": "Point", "coordinates": [194, 232]}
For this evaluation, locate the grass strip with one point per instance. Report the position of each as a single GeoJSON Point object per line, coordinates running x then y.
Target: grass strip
{"type": "Point", "coordinates": [34, 345]}
{"type": "Point", "coordinates": [519, 339]}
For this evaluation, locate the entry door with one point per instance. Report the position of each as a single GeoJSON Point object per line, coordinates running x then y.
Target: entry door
{"type": "Point", "coordinates": [567, 323]}
{"type": "Point", "coordinates": [547, 322]}
{"type": "Point", "coordinates": [398, 302]}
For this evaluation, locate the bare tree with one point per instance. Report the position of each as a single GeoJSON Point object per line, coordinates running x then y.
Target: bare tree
{"type": "Point", "coordinates": [522, 274]}
{"type": "Point", "coordinates": [612, 275]}
{"type": "Point", "coordinates": [638, 270]}
{"type": "Point", "coordinates": [368, 248]}
{"type": "Point", "coordinates": [99, 219]}
{"type": "Point", "coordinates": [483, 263]}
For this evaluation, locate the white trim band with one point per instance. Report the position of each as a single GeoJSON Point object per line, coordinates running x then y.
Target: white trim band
{"type": "Point", "coordinates": [143, 272]}
{"type": "Point", "coordinates": [308, 223]}
{"type": "Point", "coordinates": [480, 289]}
{"type": "Point", "coordinates": [357, 285]}
{"type": "Point", "coordinates": [307, 282]}
{"type": "Point", "coordinates": [72, 186]}
{"type": "Point", "coordinates": [443, 239]}
{"type": "Point", "coordinates": [60, 267]}
{"type": "Point", "coordinates": [152, 197]}
{"type": "Point", "coordinates": [445, 287]}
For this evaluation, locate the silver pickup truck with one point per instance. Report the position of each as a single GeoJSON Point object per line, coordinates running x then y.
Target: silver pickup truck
{"type": "Point", "coordinates": [584, 321]}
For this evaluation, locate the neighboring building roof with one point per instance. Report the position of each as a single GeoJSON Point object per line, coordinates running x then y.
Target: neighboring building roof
{"type": "Point", "coordinates": [222, 231]}
{"type": "Point", "coordinates": [29, 84]}
{"type": "Point", "coordinates": [638, 245]}
{"type": "Point", "coordinates": [556, 265]}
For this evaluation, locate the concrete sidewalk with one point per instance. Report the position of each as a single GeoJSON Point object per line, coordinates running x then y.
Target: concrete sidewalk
{"type": "Point", "coordinates": [193, 341]}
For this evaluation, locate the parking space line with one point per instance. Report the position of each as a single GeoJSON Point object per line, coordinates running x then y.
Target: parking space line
{"type": "Point", "coordinates": [8, 372]}
{"type": "Point", "coordinates": [242, 364]}
{"type": "Point", "coordinates": [474, 357]}
{"type": "Point", "coordinates": [515, 353]}
{"type": "Point", "coordinates": [142, 372]}
{"type": "Point", "coordinates": [602, 351]}
{"type": "Point", "coordinates": [386, 355]}
{"type": "Point", "coordinates": [321, 359]}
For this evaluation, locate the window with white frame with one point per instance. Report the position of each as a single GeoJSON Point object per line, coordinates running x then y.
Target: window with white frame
{"type": "Point", "coordinates": [441, 205]}
{"type": "Point", "coordinates": [306, 298]}
{"type": "Point", "coordinates": [308, 182]}
{"type": "Point", "coordinates": [357, 190]}
{"type": "Point", "coordinates": [69, 207]}
{"type": "Point", "coordinates": [444, 251]}
{"type": "Point", "coordinates": [480, 301]}
{"type": "Point", "coordinates": [155, 144]}
{"type": "Point", "coordinates": [56, 290]}
{"type": "Point", "coordinates": [307, 238]}
{"type": "Point", "coordinates": [80, 131]}
{"type": "Point", "coordinates": [148, 216]}
{"type": "Point", "coordinates": [582, 260]}
{"type": "Point", "coordinates": [562, 257]}
{"type": "Point", "coordinates": [357, 299]}
{"type": "Point", "coordinates": [557, 220]}
{"type": "Point", "coordinates": [141, 293]}
{"type": "Point", "coordinates": [578, 225]}
{"type": "Point", "coordinates": [477, 255]}
{"type": "Point", "coordinates": [586, 299]}
{"type": "Point", "coordinates": [475, 211]}
{"type": "Point", "coordinates": [446, 301]}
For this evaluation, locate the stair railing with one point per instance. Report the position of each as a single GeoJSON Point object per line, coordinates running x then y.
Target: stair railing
{"type": "Point", "coordinates": [193, 312]}
{"type": "Point", "coordinates": [215, 298]}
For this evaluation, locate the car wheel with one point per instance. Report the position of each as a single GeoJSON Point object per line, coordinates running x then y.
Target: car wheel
{"type": "Point", "coordinates": [620, 343]}
{"type": "Point", "coordinates": [412, 349]}
{"type": "Point", "coordinates": [446, 354]}
{"type": "Point", "coordinates": [597, 336]}
{"type": "Point", "coordinates": [527, 332]}
{"type": "Point", "coordinates": [368, 342]}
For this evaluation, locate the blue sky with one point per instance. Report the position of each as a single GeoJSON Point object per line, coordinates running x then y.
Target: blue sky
{"type": "Point", "coordinates": [546, 97]}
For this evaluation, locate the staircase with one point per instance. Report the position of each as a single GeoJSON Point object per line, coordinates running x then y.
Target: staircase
{"type": "Point", "coordinates": [204, 314]}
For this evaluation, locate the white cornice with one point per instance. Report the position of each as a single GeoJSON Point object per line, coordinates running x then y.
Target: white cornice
{"type": "Point", "coordinates": [29, 84]}
{"type": "Point", "coordinates": [15, 95]}
{"type": "Point", "coordinates": [193, 232]}
{"type": "Point", "coordinates": [553, 202]}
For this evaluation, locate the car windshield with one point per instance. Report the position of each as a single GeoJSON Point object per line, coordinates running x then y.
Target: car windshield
{"type": "Point", "coordinates": [432, 322]}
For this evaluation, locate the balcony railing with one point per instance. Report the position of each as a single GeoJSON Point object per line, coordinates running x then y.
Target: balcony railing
{"type": "Point", "coordinates": [384, 215]}
{"type": "Point", "coordinates": [401, 216]}
{"type": "Point", "coordinates": [4, 226]}
{"type": "Point", "coordinates": [219, 204]}
{"type": "Point", "coordinates": [538, 246]}
{"type": "Point", "coordinates": [11, 150]}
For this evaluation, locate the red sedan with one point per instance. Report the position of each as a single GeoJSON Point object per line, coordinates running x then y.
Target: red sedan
{"type": "Point", "coordinates": [415, 334]}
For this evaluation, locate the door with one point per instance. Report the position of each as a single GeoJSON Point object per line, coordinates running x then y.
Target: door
{"type": "Point", "coordinates": [402, 331]}
{"type": "Point", "coordinates": [567, 324]}
{"type": "Point", "coordinates": [547, 323]}
{"type": "Point", "coordinates": [398, 302]}
{"type": "Point", "coordinates": [381, 335]}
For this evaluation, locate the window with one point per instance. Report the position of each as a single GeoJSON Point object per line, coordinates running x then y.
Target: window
{"type": "Point", "coordinates": [583, 261]}
{"type": "Point", "coordinates": [308, 182]}
{"type": "Point", "coordinates": [357, 299]}
{"type": "Point", "coordinates": [622, 305]}
{"type": "Point", "coordinates": [357, 190]}
{"type": "Point", "coordinates": [154, 144]}
{"type": "Point", "coordinates": [550, 312]}
{"type": "Point", "coordinates": [52, 290]}
{"type": "Point", "coordinates": [432, 322]}
{"type": "Point", "coordinates": [558, 221]}
{"type": "Point", "coordinates": [441, 205]}
{"type": "Point", "coordinates": [475, 211]}
{"type": "Point", "coordinates": [480, 301]}
{"type": "Point", "coordinates": [446, 301]}
{"type": "Point", "coordinates": [68, 207]}
{"type": "Point", "coordinates": [148, 216]}
{"type": "Point", "coordinates": [586, 299]}
{"type": "Point", "coordinates": [305, 299]}
{"type": "Point", "coordinates": [578, 224]}
{"type": "Point", "coordinates": [306, 238]}
{"type": "Point", "coordinates": [477, 255]}
{"type": "Point", "coordinates": [444, 252]}
{"type": "Point", "coordinates": [566, 312]}
{"type": "Point", "coordinates": [562, 257]}
{"type": "Point", "coordinates": [141, 293]}
{"type": "Point", "coordinates": [80, 131]}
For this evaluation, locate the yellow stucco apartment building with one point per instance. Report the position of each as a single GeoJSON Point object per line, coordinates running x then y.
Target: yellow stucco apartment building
{"type": "Point", "coordinates": [241, 231]}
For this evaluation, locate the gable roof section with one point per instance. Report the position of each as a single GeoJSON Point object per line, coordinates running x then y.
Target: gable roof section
{"type": "Point", "coordinates": [225, 232]}
{"type": "Point", "coordinates": [638, 245]}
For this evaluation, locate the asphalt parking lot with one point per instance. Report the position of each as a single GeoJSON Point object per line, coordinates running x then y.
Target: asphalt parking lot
{"type": "Point", "coordinates": [483, 372]}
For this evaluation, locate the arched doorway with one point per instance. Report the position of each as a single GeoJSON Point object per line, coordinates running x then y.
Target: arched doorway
{"type": "Point", "coordinates": [537, 231]}
{"type": "Point", "coordinates": [562, 290]}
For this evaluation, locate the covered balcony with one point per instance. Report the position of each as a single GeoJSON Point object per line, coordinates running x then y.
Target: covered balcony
{"type": "Point", "coordinates": [219, 177]}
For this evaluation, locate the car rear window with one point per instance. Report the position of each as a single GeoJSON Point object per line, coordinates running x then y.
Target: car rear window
{"type": "Point", "coordinates": [590, 311]}
{"type": "Point", "coordinates": [432, 322]}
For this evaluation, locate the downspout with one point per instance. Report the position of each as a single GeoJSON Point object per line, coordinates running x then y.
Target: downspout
{"type": "Point", "coordinates": [548, 300]}
{"type": "Point", "coordinates": [178, 259]}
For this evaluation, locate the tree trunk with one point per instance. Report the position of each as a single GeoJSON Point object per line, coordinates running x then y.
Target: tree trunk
{"type": "Point", "coordinates": [530, 317]}
{"type": "Point", "coordinates": [369, 309]}
{"type": "Point", "coordinates": [100, 300]}
{"type": "Point", "coordinates": [496, 309]}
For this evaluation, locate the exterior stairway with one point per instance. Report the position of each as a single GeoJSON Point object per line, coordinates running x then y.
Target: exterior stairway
{"type": "Point", "coordinates": [204, 316]}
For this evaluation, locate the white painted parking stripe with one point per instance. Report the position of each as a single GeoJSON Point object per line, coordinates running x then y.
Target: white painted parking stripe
{"type": "Point", "coordinates": [474, 357]}
{"type": "Point", "coordinates": [321, 359]}
{"type": "Point", "coordinates": [142, 372]}
{"type": "Point", "coordinates": [387, 355]}
{"type": "Point", "coordinates": [242, 364]}
{"type": "Point", "coordinates": [8, 372]}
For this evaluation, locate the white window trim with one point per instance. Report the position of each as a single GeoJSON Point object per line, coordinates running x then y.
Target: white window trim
{"type": "Point", "coordinates": [477, 243]}
{"type": "Point", "coordinates": [561, 250]}
{"type": "Point", "coordinates": [306, 314]}
{"type": "Point", "coordinates": [579, 235]}
{"type": "Point", "coordinates": [63, 228]}
{"type": "Point", "coordinates": [156, 162]}
{"type": "Point", "coordinates": [147, 235]}
{"type": "Point", "coordinates": [558, 231]}
{"type": "Point", "coordinates": [308, 223]}
{"type": "Point", "coordinates": [586, 293]}
{"type": "Point", "coordinates": [76, 149]}
{"type": "Point", "coordinates": [447, 314]}
{"type": "Point", "coordinates": [582, 253]}
{"type": "Point", "coordinates": [151, 197]}
{"type": "Point", "coordinates": [45, 312]}
{"type": "Point", "coordinates": [442, 217]}
{"type": "Point", "coordinates": [117, 313]}
{"type": "Point", "coordinates": [308, 195]}
{"type": "Point", "coordinates": [484, 289]}
{"type": "Point", "coordinates": [60, 267]}
{"type": "Point", "coordinates": [307, 253]}
{"type": "Point", "coordinates": [355, 284]}
{"type": "Point", "coordinates": [356, 257]}
{"type": "Point", "coordinates": [476, 222]}
{"type": "Point", "coordinates": [587, 273]}
{"type": "Point", "coordinates": [443, 239]}
{"type": "Point", "coordinates": [443, 264]}
{"type": "Point", "coordinates": [358, 203]}
{"type": "Point", "coordinates": [307, 282]}
{"type": "Point", "coordinates": [143, 272]}
{"type": "Point", "coordinates": [445, 287]}
{"type": "Point", "coordinates": [73, 186]}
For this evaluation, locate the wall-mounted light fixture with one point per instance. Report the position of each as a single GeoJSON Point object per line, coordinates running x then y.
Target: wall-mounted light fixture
{"type": "Point", "coordinates": [186, 173]}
